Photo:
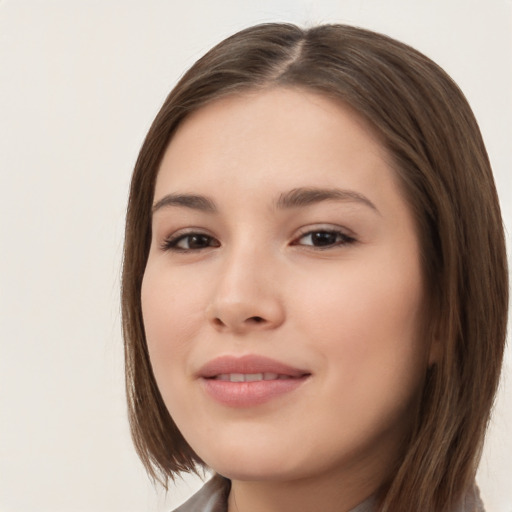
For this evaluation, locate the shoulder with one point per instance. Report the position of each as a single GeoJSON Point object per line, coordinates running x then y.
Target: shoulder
{"type": "Point", "coordinates": [212, 497]}
{"type": "Point", "coordinates": [471, 502]}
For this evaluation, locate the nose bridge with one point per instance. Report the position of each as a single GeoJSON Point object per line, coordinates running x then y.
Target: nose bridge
{"type": "Point", "coordinates": [246, 294]}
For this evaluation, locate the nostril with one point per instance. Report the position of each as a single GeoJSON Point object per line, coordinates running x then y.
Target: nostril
{"type": "Point", "coordinates": [256, 319]}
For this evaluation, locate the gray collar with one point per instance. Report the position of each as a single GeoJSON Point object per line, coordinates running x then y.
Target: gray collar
{"type": "Point", "coordinates": [213, 497]}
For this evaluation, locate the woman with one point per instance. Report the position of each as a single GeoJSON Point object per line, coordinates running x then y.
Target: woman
{"type": "Point", "coordinates": [315, 282]}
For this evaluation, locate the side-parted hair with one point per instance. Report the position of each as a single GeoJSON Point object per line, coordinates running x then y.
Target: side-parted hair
{"type": "Point", "coordinates": [435, 146]}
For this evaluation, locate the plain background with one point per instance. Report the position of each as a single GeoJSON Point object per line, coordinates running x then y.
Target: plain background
{"type": "Point", "coordinates": [80, 82]}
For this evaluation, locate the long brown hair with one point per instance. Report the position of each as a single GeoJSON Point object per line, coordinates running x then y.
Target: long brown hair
{"type": "Point", "coordinates": [436, 148]}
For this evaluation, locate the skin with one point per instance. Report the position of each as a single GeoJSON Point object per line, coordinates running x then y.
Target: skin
{"type": "Point", "coordinates": [349, 312]}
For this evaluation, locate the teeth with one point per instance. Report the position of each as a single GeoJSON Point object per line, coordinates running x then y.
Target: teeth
{"type": "Point", "coordinates": [250, 377]}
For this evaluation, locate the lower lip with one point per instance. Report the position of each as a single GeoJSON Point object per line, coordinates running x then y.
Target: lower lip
{"type": "Point", "coordinates": [250, 394]}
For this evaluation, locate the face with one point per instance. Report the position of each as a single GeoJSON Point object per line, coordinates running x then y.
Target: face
{"type": "Point", "coordinates": [283, 297]}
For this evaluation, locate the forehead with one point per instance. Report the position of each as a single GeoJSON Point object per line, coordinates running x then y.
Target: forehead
{"type": "Point", "coordinates": [282, 137]}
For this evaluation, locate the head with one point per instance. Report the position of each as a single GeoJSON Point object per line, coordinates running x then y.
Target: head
{"type": "Point", "coordinates": [425, 127]}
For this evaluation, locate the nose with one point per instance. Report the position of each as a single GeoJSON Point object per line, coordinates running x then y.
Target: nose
{"type": "Point", "coordinates": [246, 296]}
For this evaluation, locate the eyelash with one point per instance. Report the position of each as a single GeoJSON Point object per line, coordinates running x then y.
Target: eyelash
{"type": "Point", "coordinates": [171, 243]}
{"type": "Point", "coordinates": [342, 239]}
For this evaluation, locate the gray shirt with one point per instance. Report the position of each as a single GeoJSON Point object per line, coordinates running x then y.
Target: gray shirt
{"type": "Point", "coordinates": [213, 497]}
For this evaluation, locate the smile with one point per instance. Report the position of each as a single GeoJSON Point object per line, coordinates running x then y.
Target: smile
{"type": "Point", "coordinates": [250, 377]}
{"type": "Point", "coordinates": [249, 381]}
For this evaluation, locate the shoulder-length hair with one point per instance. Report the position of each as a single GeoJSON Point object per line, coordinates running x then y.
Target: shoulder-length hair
{"type": "Point", "coordinates": [436, 148]}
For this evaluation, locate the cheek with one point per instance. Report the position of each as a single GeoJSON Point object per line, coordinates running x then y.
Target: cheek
{"type": "Point", "coordinates": [170, 320]}
{"type": "Point", "coordinates": [366, 321]}
{"type": "Point", "coordinates": [368, 334]}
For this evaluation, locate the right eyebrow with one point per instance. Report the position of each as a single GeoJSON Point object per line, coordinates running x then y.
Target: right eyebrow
{"type": "Point", "coordinates": [195, 202]}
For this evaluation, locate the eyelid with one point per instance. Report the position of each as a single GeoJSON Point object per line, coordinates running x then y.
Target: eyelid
{"type": "Point", "coordinates": [348, 235]}
{"type": "Point", "coordinates": [169, 242]}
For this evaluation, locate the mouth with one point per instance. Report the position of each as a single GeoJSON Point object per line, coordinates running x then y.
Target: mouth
{"type": "Point", "coordinates": [250, 377]}
{"type": "Point", "coordinates": [249, 380]}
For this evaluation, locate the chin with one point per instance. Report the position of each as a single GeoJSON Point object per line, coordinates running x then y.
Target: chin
{"type": "Point", "coordinates": [248, 471]}
{"type": "Point", "coordinates": [251, 462]}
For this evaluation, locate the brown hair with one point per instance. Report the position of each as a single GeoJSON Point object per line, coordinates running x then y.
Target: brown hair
{"type": "Point", "coordinates": [430, 132]}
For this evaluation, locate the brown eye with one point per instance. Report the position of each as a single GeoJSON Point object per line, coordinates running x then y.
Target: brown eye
{"type": "Point", "coordinates": [190, 242]}
{"type": "Point", "coordinates": [194, 242]}
{"type": "Point", "coordinates": [324, 239]}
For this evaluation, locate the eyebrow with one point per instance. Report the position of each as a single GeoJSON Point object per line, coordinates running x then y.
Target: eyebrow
{"type": "Point", "coordinates": [295, 198]}
{"type": "Point", "coordinates": [193, 201]}
{"type": "Point", "coordinates": [306, 196]}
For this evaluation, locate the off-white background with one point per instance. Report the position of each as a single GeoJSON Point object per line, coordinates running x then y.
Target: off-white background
{"type": "Point", "coordinates": [80, 82]}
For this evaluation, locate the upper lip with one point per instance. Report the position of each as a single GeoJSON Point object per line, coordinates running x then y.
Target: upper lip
{"type": "Point", "coordinates": [248, 364]}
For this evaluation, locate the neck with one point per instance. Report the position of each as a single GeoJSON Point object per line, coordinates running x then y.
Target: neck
{"type": "Point", "coordinates": [303, 495]}
{"type": "Point", "coordinates": [336, 487]}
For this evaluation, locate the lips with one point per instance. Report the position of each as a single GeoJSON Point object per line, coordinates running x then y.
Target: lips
{"type": "Point", "coordinates": [249, 380]}
{"type": "Point", "coordinates": [250, 377]}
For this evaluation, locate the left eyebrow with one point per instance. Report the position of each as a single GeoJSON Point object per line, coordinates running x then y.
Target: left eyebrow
{"type": "Point", "coordinates": [306, 196]}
